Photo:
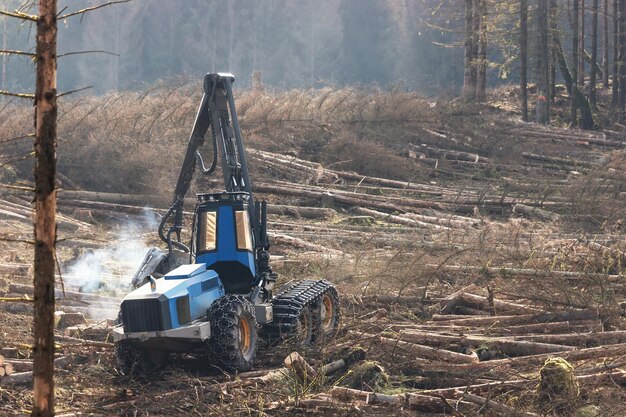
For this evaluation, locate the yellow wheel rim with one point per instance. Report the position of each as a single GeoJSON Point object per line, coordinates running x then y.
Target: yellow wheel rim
{"type": "Point", "coordinates": [304, 327]}
{"type": "Point", "coordinates": [244, 336]}
{"type": "Point", "coordinates": [327, 312]}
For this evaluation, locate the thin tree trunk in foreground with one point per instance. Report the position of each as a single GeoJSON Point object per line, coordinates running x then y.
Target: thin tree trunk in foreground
{"type": "Point", "coordinates": [523, 12]}
{"type": "Point", "coordinates": [45, 209]}
{"type": "Point", "coordinates": [605, 44]}
{"type": "Point", "coordinates": [469, 84]}
{"type": "Point", "coordinates": [481, 86]}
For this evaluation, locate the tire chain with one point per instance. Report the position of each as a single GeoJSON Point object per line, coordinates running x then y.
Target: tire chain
{"type": "Point", "coordinates": [223, 316]}
{"type": "Point", "coordinates": [288, 304]}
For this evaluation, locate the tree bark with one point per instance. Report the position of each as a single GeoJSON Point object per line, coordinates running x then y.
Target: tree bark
{"type": "Point", "coordinates": [605, 44]}
{"type": "Point", "coordinates": [594, 52]}
{"type": "Point", "coordinates": [469, 84]}
{"type": "Point", "coordinates": [621, 100]}
{"type": "Point", "coordinates": [45, 209]}
{"type": "Point", "coordinates": [524, 58]}
{"type": "Point", "coordinates": [573, 88]}
{"type": "Point", "coordinates": [615, 86]}
{"type": "Point", "coordinates": [581, 44]}
{"type": "Point", "coordinates": [543, 105]}
{"type": "Point", "coordinates": [481, 86]}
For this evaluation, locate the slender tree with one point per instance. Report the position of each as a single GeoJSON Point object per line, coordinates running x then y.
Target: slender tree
{"type": "Point", "coordinates": [622, 58]}
{"type": "Point", "coordinates": [469, 82]}
{"type": "Point", "coordinates": [615, 85]}
{"type": "Point", "coordinates": [581, 44]}
{"type": "Point", "coordinates": [574, 74]}
{"type": "Point", "coordinates": [543, 104]}
{"type": "Point", "coordinates": [481, 86]}
{"type": "Point", "coordinates": [45, 209]}
{"type": "Point", "coordinates": [523, 56]}
{"type": "Point", "coordinates": [594, 52]}
{"type": "Point", "coordinates": [605, 44]}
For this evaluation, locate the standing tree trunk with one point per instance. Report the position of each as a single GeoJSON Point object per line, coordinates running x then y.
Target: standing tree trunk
{"type": "Point", "coordinates": [581, 45]}
{"type": "Point", "coordinates": [543, 105]}
{"type": "Point", "coordinates": [622, 58]}
{"type": "Point", "coordinates": [4, 56]}
{"type": "Point", "coordinates": [574, 85]}
{"type": "Point", "coordinates": [475, 40]}
{"type": "Point", "coordinates": [469, 84]}
{"type": "Point", "coordinates": [45, 209]}
{"type": "Point", "coordinates": [553, 54]}
{"type": "Point", "coordinates": [615, 86]}
{"type": "Point", "coordinates": [594, 52]}
{"type": "Point", "coordinates": [481, 87]}
{"type": "Point", "coordinates": [605, 44]}
{"type": "Point", "coordinates": [523, 57]}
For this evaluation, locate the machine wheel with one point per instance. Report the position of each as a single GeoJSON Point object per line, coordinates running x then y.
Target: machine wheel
{"type": "Point", "coordinates": [327, 316]}
{"type": "Point", "coordinates": [305, 328]}
{"type": "Point", "coordinates": [233, 333]}
{"type": "Point", "coordinates": [131, 360]}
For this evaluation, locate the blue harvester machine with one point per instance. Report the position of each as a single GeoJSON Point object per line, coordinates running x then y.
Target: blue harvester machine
{"type": "Point", "coordinates": [214, 295]}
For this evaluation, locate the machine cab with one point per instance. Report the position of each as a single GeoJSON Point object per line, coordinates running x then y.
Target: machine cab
{"type": "Point", "coordinates": [224, 239]}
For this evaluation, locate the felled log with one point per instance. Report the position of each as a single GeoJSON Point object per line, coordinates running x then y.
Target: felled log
{"type": "Point", "coordinates": [421, 351]}
{"type": "Point", "coordinates": [450, 154]}
{"type": "Point", "coordinates": [535, 360]}
{"type": "Point", "coordinates": [59, 293]}
{"type": "Point", "coordinates": [535, 212]}
{"type": "Point", "coordinates": [555, 160]}
{"type": "Point", "coordinates": [301, 368]}
{"type": "Point", "coordinates": [300, 243]}
{"type": "Point", "coordinates": [299, 211]}
{"type": "Point", "coordinates": [506, 271]}
{"type": "Point", "coordinates": [505, 330]}
{"type": "Point", "coordinates": [448, 220]}
{"type": "Point", "coordinates": [607, 250]}
{"type": "Point", "coordinates": [14, 269]}
{"type": "Point", "coordinates": [504, 410]}
{"type": "Point", "coordinates": [397, 219]}
{"type": "Point", "coordinates": [501, 306]}
{"type": "Point", "coordinates": [507, 346]}
{"type": "Point", "coordinates": [565, 315]}
{"type": "Point", "coordinates": [418, 402]}
{"type": "Point", "coordinates": [579, 339]}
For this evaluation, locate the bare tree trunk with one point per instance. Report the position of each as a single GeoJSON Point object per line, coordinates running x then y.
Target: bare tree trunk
{"type": "Point", "coordinates": [622, 58]}
{"type": "Point", "coordinates": [615, 87]}
{"type": "Point", "coordinates": [581, 45]}
{"type": "Point", "coordinates": [469, 85]}
{"type": "Point", "coordinates": [4, 56]}
{"type": "Point", "coordinates": [481, 87]}
{"type": "Point", "coordinates": [523, 57]}
{"type": "Point", "coordinates": [543, 105]}
{"type": "Point", "coordinates": [475, 40]}
{"type": "Point", "coordinates": [605, 44]}
{"type": "Point", "coordinates": [45, 209]}
{"type": "Point", "coordinates": [594, 52]}
{"type": "Point", "coordinates": [574, 86]}
{"type": "Point", "coordinates": [553, 54]}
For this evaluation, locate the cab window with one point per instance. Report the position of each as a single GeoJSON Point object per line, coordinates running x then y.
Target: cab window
{"type": "Point", "coordinates": [207, 237]}
{"type": "Point", "coordinates": [242, 223]}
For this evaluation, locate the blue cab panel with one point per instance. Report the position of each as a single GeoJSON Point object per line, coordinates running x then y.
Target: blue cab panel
{"type": "Point", "coordinates": [225, 240]}
{"type": "Point", "coordinates": [186, 271]}
{"type": "Point", "coordinates": [182, 296]}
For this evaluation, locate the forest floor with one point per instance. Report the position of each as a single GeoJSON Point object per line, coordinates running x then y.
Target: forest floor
{"type": "Point", "coordinates": [468, 249]}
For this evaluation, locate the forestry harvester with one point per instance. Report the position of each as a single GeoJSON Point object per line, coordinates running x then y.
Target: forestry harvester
{"type": "Point", "coordinates": [214, 294]}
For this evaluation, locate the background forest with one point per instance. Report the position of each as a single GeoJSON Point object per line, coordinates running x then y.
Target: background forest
{"type": "Point", "coordinates": [293, 43]}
